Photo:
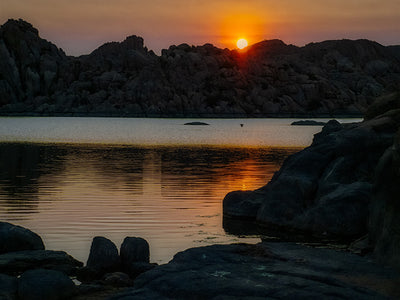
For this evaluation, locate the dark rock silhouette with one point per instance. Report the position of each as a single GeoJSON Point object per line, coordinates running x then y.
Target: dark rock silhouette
{"type": "Point", "coordinates": [308, 123]}
{"type": "Point", "coordinates": [15, 263]}
{"type": "Point", "coordinates": [135, 256]}
{"type": "Point", "coordinates": [385, 207]}
{"type": "Point", "coordinates": [279, 270]}
{"type": "Point", "coordinates": [103, 255]}
{"type": "Point", "coordinates": [17, 238]}
{"type": "Point", "coordinates": [196, 123]}
{"type": "Point", "coordinates": [125, 79]}
{"type": "Point", "coordinates": [266, 270]}
{"type": "Point", "coordinates": [8, 287]}
{"type": "Point", "coordinates": [325, 190]}
{"type": "Point", "coordinates": [117, 279]}
{"type": "Point", "coordinates": [134, 249]}
{"type": "Point", "coordinates": [45, 284]}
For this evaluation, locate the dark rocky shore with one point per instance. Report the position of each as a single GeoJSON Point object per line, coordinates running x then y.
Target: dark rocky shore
{"type": "Point", "coordinates": [331, 78]}
{"type": "Point", "coordinates": [237, 271]}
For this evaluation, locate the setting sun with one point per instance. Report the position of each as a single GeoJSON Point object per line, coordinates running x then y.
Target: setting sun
{"type": "Point", "coordinates": [241, 43]}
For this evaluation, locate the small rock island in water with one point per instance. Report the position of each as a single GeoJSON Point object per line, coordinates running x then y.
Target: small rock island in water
{"type": "Point", "coordinates": [197, 123]}
{"type": "Point", "coordinates": [340, 192]}
{"type": "Point", "coordinates": [308, 123]}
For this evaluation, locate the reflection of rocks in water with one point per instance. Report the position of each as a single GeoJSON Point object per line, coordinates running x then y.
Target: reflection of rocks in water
{"type": "Point", "coordinates": [24, 168]}
{"type": "Point", "coordinates": [120, 167]}
{"type": "Point", "coordinates": [217, 166]}
{"type": "Point", "coordinates": [21, 165]}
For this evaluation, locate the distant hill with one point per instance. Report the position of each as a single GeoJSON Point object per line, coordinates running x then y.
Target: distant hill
{"type": "Point", "coordinates": [271, 78]}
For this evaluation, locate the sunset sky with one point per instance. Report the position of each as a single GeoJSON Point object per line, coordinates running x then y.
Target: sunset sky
{"type": "Point", "coordinates": [80, 26]}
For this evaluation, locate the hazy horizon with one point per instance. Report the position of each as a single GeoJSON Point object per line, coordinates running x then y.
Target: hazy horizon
{"type": "Point", "coordinates": [80, 27]}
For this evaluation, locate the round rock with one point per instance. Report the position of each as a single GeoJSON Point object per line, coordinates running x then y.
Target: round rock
{"type": "Point", "coordinates": [103, 255]}
{"type": "Point", "coordinates": [45, 284]}
{"type": "Point", "coordinates": [134, 249]}
{"type": "Point", "coordinates": [16, 238]}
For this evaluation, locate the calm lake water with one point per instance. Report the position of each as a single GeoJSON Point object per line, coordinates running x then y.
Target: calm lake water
{"type": "Point", "coordinates": [70, 179]}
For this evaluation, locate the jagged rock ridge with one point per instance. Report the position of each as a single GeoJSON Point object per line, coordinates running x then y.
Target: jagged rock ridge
{"type": "Point", "coordinates": [125, 79]}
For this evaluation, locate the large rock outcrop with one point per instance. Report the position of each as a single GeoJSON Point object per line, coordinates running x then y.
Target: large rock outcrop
{"type": "Point", "coordinates": [323, 191]}
{"type": "Point", "coordinates": [125, 79]}
{"type": "Point", "coordinates": [266, 270]}
{"type": "Point", "coordinates": [344, 186]}
{"type": "Point", "coordinates": [384, 222]}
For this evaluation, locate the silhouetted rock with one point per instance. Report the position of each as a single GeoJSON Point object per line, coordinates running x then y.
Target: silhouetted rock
{"type": "Point", "coordinates": [17, 238]}
{"type": "Point", "coordinates": [117, 279]}
{"type": "Point", "coordinates": [135, 256]}
{"type": "Point", "coordinates": [125, 79]}
{"type": "Point", "coordinates": [90, 288]}
{"type": "Point", "coordinates": [42, 284]}
{"type": "Point", "coordinates": [385, 207]}
{"type": "Point", "coordinates": [382, 105]}
{"type": "Point", "coordinates": [242, 204]}
{"type": "Point", "coordinates": [8, 287]}
{"type": "Point", "coordinates": [103, 255]}
{"type": "Point", "coordinates": [266, 270]}
{"type": "Point", "coordinates": [21, 261]}
{"type": "Point", "coordinates": [134, 269]}
{"type": "Point", "coordinates": [308, 123]}
{"type": "Point", "coordinates": [134, 249]}
{"type": "Point", "coordinates": [323, 191]}
{"type": "Point", "coordinates": [196, 123]}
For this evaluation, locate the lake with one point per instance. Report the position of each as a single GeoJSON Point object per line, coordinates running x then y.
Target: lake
{"type": "Point", "coordinates": [70, 179]}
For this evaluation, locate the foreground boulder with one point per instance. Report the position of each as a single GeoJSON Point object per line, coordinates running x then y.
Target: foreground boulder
{"type": "Point", "coordinates": [103, 255]}
{"type": "Point", "coordinates": [103, 259]}
{"type": "Point", "coordinates": [15, 263]}
{"type": "Point", "coordinates": [17, 238]}
{"type": "Point", "coordinates": [266, 270]}
{"type": "Point", "coordinates": [42, 284]}
{"type": "Point", "coordinates": [135, 256]}
{"type": "Point", "coordinates": [324, 190]}
{"type": "Point", "coordinates": [8, 287]}
{"type": "Point", "coordinates": [134, 249]}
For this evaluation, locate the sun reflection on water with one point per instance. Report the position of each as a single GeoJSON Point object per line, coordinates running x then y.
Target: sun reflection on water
{"type": "Point", "coordinates": [171, 196]}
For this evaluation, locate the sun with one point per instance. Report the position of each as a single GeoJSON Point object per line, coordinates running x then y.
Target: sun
{"type": "Point", "coordinates": [241, 43]}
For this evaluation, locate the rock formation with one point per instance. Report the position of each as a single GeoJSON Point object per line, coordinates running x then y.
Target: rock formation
{"type": "Point", "coordinates": [342, 187]}
{"type": "Point", "coordinates": [125, 79]}
{"type": "Point", "coordinates": [16, 238]}
{"type": "Point", "coordinates": [265, 270]}
{"type": "Point", "coordinates": [277, 270]}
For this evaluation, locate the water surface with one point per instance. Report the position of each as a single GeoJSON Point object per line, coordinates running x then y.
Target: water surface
{"type": "Point", "coordinates": [70, 179]}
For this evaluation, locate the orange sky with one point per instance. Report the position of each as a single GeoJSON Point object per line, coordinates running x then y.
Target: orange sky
{"type": "Point", "coordinates": [80, 26]}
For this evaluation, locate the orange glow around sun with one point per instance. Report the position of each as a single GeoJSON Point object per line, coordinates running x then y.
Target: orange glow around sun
{"type": "Point", "coordinates": [241, 25]}
{"type": "Point", "coordinates": [242, 43]}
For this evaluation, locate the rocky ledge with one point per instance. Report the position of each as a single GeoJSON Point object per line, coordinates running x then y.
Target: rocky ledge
{"type": "Point", "coordinates": [266, 270]}
{"type": "Point", "coordinates": [237, 271]}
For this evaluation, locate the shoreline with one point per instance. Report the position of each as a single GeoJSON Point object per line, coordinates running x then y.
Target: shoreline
{"type": "Point", "coordinates": [186, 116]}
{"type": "Point", "coordinates": [279, 269]}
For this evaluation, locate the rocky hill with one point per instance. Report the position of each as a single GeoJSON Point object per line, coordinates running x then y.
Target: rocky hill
{"type": "Point", "coordinates": [126, 79]}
